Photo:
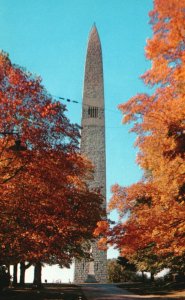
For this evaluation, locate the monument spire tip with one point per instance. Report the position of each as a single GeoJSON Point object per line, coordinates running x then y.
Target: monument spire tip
{"type": "Point", "coordinates": [94, 26]}
{"type": "Point", "coordinates": [94, 29]}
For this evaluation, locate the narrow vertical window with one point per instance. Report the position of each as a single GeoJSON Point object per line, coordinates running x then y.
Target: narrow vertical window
{"type": "Point", "coordinates": [89, 111]}
{"type": "Point", "coordinates": [93, 112]}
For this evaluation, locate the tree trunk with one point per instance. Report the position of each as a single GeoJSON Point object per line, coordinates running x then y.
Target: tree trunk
{"type": "Point", "coordinates": [15, 274]}
{"type": "Point", "coordinates": [38, 274]}
{"type": "Point", "coordinates": [152, 277]}
{"type": "Point", "coordinates": [22, 273]}
{"type": "Point", "coordinates": [143, 275]}
{"type": "Point", "coordinates": [8, 268]}
{"type": "Point", "coordinates": [23, 268]}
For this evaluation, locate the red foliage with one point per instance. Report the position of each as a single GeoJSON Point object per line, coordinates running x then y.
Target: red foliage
{"type": "Point", "coordinates": [43, 206]}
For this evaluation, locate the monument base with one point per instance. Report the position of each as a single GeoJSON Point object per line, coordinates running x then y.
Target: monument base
{"type": "Point", "coordinates": [90, 279]}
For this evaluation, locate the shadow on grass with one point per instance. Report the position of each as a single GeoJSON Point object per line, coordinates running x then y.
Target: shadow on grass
{"type": "Point", "coordinates": [66, 292]}
{"type": "Point", "coordinates": [139, 288]}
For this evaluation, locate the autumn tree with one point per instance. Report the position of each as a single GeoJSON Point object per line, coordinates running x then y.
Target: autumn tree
{"type": "Point", "coordinates": [124, 262]}
{"type": "Point", "coordinates": [114, 271]}
{"type": "Point", "coordinates": [156, 204]}
{"type": "Point", "coordinates": [120, 270]}
{"type": "Point", "coordinates": [44, 192]}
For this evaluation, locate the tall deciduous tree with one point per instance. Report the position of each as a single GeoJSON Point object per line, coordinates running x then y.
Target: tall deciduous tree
{"type": "Point", "coordinates": [44, 194]}
{"type": "Point", "coordinates": [157, 204]}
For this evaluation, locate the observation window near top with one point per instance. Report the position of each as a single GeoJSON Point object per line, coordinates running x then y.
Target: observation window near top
{"type": "Point", "coordinates": [93, 112]}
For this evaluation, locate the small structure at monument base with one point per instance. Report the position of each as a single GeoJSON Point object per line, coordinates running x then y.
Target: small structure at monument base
{"type": "Point", "coordinates": [91, 275]}
{"type": "Point", "coordinates": [91, 279]}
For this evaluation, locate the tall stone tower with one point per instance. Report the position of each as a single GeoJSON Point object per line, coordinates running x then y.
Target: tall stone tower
{"type": "Point", "coordinates": [93, 146]}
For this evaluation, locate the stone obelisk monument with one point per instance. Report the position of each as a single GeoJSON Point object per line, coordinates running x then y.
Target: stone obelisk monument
{"type": "Point", "coordinates": [93, 146]}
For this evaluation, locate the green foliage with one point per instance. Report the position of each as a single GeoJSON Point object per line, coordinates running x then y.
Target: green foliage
{"type": "Point", "coordinates": [146, 261]}
{"type": "Point", "coordinates": [176, 264]}
{"type": "Point", "coordinates": [126, 264]}
{"type": "Point", "coordinates": [118, 273]}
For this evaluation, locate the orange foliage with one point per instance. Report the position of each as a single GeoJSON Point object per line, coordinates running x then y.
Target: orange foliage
{"type": "Point", "coordinates": [43, 206]}
{"type": "Point", "coordinates": [48, 209]}
{"type": "Point", "coordinates": [156, 205]}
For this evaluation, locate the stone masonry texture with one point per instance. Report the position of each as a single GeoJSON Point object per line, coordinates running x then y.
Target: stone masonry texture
{"type": "Point", "coordinates": [93, 145]}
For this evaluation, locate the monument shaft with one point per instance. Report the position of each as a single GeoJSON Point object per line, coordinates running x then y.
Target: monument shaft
{"type": "Point", "coordinates": [93, 146]}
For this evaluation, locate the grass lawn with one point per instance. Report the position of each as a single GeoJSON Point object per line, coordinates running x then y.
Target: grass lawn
{"type": "Point", "coordinates": [170, 290]}
{"type": "Point", "coordinates": [63, 291]}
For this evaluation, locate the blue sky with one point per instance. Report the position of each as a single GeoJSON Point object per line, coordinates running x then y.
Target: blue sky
{"type": "Point", "coordinates": [49, 38]}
